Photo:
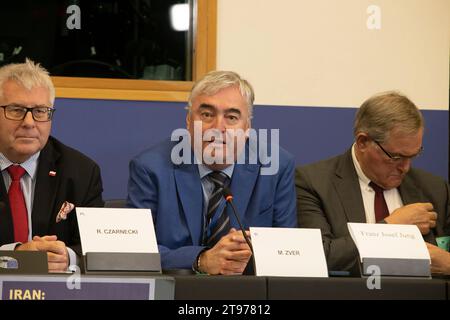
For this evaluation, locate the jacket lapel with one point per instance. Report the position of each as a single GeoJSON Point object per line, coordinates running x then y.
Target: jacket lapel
{"type": "Point", "coordinates": [190, 193]}
{"type": "Point", "coordinates": [6, 223]}
{"type": "Point", "coordinates": [242, 185]}
{"type": "Point", "coordinates": [45, 190]}
{"type": "Point", "coordinates": [409, 192]}
{"type": "Point", "coordinates": [347, 187]}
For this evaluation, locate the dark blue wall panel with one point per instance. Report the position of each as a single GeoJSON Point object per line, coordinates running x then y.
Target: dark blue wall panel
{"type": "Point", "coordinates": [112, 132]}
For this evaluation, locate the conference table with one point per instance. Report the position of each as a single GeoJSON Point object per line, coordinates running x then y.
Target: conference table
{"type": "Point", "coordinates": [204, 287]}
{"type": "Point", "coordinates": [285, 288]}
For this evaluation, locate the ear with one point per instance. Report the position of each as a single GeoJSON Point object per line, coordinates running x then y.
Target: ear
{"type": "Point", "coordinates": [188, 120]}
{"type": "Point", "coordinates": [362, 141]}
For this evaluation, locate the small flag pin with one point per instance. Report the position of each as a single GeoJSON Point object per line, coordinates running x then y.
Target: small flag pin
{"type": "Point", "coordinates": [52, 173]}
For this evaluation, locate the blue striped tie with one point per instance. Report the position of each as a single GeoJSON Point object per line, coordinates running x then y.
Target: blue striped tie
{"type": "Point", "coordinates": [217, 223]}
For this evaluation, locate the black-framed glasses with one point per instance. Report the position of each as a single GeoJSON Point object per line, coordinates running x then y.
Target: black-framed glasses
{"type": "Point", "coordinates": [398, 157]}
{"type": "Point", "coordinates": [18, 112]}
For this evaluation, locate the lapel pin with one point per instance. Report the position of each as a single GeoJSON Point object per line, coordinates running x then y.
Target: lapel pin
{"type": "Point", "coordinates": [52, 173]}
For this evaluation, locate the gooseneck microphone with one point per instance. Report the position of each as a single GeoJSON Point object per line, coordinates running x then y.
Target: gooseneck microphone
{"type": "Point", "coordinates": [250, 268]}
{"type": "Point", "coordinates": [229, 198]}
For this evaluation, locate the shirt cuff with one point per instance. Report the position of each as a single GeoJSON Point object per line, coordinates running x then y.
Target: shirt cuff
{"type": "Point", "coordinates": [10, 246]}
{"type": "Point", "coordinates": [73, 258]}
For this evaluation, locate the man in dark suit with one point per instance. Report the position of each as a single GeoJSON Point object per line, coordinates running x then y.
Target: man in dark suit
{"type": "Point", "coordinates": [193, 227]}
{"type": "Point", "coordinates": [42, 179]}
{"type": "Point", "coordinates": [373, 182]}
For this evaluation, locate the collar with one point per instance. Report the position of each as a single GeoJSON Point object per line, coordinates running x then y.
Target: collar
{"type": "Point", "coordinates": [204, 170]}
{"type": "Point", "coordinates": [362, 177]}
{"type": "Point", "coordinates": [30, 165]}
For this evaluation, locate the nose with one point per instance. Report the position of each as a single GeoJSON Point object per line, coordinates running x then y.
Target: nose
{"type": "Point", "coordinates": [28, 120]}
{"type": "Point", "coordinates": [220, 123]}
{"type": "Point", "coordinates": [404, 165]}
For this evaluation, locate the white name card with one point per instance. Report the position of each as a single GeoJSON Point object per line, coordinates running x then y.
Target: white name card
{"type": "Point", "coordinates": [396, 249]}
{"type": "Point", "coordinates": [116, 230]}
{"type": "Point", "coordinates": [288, 252]}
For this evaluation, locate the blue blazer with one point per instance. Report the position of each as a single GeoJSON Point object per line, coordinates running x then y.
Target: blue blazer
{"type": "Point", "coordinates": [175, 196]}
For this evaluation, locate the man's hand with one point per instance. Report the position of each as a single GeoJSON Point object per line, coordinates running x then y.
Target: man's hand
{"type": "Point", "coordinates": [57, 255]}
{"type": "Point", "coordinates": [440, 259]}
{"type": "Point", "coordinates": [420, 214]}
{"type": "Point", "coordinates": [229, 256]}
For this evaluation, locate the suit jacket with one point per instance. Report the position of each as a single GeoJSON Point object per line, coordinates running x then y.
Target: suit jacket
{"type": "Point", "coordinates": [329, 196]}
{"type": "Point", "coordinates": [77, 180]}
{"type": "Point", "coordinates": [175, 196]}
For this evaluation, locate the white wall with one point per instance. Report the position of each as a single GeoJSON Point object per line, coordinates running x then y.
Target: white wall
{"type": "Point", "coordinates": [321, 53]}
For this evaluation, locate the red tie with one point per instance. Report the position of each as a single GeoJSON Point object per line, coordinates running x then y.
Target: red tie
{"type": "Point", "coordinates": [17, 204]}
{"type": "Point", "coordinates": [381, 209]}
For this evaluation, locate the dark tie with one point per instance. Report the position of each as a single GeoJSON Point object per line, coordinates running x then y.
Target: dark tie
{"type": "Point", "coordinates": [17, 204]}
{"type": "Point", "coordinates": [217, 223]}
{"type": "Point", "coordinates": [381, 208]}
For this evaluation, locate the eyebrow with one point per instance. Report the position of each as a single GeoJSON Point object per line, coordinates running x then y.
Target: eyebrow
{"type": "Point", "coordinates": [207, 106]}
{"type": "Point", "coordinates": [233, 110]}
{"type": "Point", "coordinates": [29, 106]}
{"type": "Point", "coordinates": [405, 156]}
{"type": "Point", "coordinates": [213, 108]}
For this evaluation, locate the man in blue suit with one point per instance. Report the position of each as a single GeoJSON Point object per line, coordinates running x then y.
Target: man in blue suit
{"type": "Point", "coordinates": [193, 226]}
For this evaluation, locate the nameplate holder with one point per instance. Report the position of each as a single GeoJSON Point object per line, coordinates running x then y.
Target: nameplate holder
{"type": "Point", "coordinates": [118, 240]}
{"type": "Point", "coordinates": [123, 261]}
{"type": "Point", "coordinates": [288, 252]}
{"type": "Point", "coordinates": [391, 250]}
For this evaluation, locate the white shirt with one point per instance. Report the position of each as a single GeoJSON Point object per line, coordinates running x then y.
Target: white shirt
{"type": "Point", "coordinates": [392, 196]}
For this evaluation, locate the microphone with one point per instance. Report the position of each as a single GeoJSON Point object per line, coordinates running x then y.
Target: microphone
{"type": "Point", "coordinates": [250, 269]}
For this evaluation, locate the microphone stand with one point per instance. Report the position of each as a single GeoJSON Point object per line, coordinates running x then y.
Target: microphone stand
{"type": "Point", "coordinates": [250, 268]}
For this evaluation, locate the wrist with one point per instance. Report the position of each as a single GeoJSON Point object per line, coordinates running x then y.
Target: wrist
{"type": "Point", "coordinates": [197, 265]}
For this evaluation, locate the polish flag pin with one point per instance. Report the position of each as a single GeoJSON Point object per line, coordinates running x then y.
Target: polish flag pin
{"type": "Point", "coordinates": [52, 173]}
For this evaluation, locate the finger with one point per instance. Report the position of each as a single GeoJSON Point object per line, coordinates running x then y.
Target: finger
{"type": "Point", "coordinates": [432, 224]}
{"type": "Point", "coordinates": [56, 258]}
{"type": "Point", "coordinates": [56, 247]}
{"type": "Point", "coordinates": [233, 268]}
{"type": "Point", "coordinates": [241, 255]}
{"type": "Point", "coordinates": [238, 238]}
{"type": "Point", "coordinates": [45, 238]}
{"type": "Point", "coordinates": [436, 270]}
{"type": "Point", "coordinates": [427, 206]}
{"type": "Point", "coordinates": [57, 267]}
{"type": "Point", "coordinates": [424, 228]}
{"type": "Point", "coordinates": [232, 246]}
{"type": "Point", "coordinates": [50, 238]}
{"type": "Point", "coordinates": [432, 215]}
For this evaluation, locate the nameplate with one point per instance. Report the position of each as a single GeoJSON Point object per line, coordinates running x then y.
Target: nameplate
{"type": "Point", "coordinates": [391, 249]}
{"type": "Point", "coordinates": [76, 287]}
{"type": "Point", "coordinates": [288, 252]}
{"type": "Point", "coordinates": [116, 230]}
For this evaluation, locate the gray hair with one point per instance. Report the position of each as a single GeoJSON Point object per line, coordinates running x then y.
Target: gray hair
{"type": "Point", "coordinates": [383, 112]}
{"type": "Point", "coordinates": [29, 75]}
{"type": "Point", "coordinates": [215, 81]}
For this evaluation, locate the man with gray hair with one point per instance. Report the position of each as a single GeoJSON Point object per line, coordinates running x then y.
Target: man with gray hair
{"type": "Point", "coordinates": [373, 182]}
{"type": "Point", "coordinates": [41, 179]}
{"type": "Point", "coordinates": [184, 187]}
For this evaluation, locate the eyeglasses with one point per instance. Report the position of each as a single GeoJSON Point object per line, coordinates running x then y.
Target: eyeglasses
{"type": "Point", "coordinates": [18, 112]}
{"type": "Point", "coordinates": [397, 157]}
